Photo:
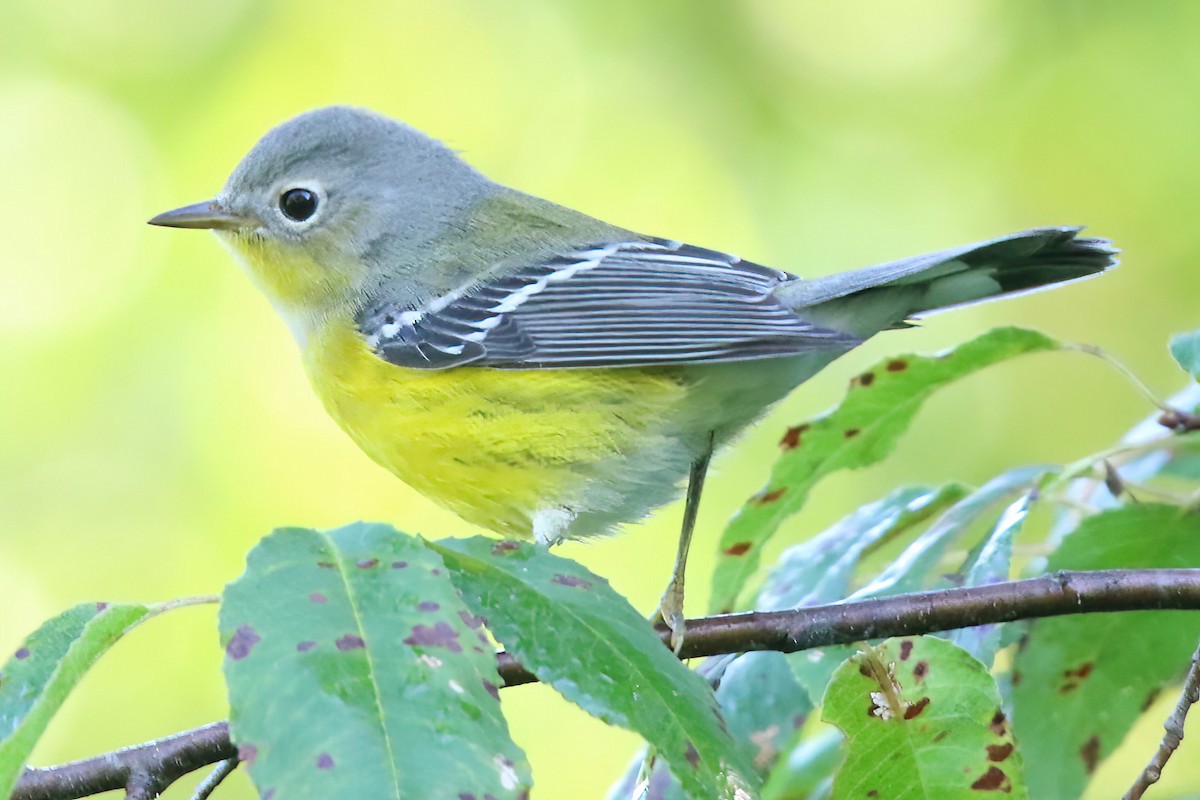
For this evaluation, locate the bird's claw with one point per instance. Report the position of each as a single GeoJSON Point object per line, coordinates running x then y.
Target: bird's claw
{"type": "Point", "coordinates": [670, 610]}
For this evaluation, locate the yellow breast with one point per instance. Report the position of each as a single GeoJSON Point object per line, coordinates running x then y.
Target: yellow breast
{"type": "Point", "coordinates": [495, 446]}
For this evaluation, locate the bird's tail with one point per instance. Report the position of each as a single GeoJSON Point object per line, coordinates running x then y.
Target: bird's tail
{"type": "Point", "coordinates": [885, 295]}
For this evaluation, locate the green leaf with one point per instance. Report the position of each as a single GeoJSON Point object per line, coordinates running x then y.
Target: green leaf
{"type": "Point", "coordinates": [1185, 349]}
{"type": "Point", "coordinates": [355, 670]}
{"type": "Point", "coordinates": [922, 719]}
{"type": "Point", "coordinates": [43, 671]}
{"type": "Point", "coordinates": [991, 563]}
{"type": "Point", "coordinates": [763, 704]}
{"type": "Point", "coordinates": [807, 769]}
{"type": "Point", "coordinates": [1182, 464]}
{"type": "Point", "coordinates": [861, 431]}
{"type": "Point", "coordinates": [1080, 682]}
{"type": "Point", "coordinates": [917, 567]}
{"type": "Point", "coordinates": [659, 784]}
{"type": "Point", "coordinates": [576, 634]}
{"type": "Point", "coordinates": [914, 569]}
{"type": "Point", "coordinates": [820, 570]}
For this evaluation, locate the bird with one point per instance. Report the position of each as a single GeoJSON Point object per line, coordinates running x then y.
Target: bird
{"type": "Point", "coordinates": [540, 372]}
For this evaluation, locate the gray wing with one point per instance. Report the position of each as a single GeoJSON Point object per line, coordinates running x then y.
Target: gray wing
{"type": "Point", "coordinates": [640, 303]}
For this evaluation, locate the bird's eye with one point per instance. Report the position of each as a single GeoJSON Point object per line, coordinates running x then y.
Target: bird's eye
{"type": "Point", "coordinates": [298, 204]}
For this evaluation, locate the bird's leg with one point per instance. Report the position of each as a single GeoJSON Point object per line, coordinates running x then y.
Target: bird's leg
{"type": "Point", "coordinates": [670, 609]}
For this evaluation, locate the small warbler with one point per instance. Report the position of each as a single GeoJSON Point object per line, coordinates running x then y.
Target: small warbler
{"type": "Point", "coordinates": [538, 371]}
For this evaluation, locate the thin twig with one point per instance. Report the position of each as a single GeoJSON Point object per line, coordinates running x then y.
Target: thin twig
{"type": "Point", "coordinates": [209, 785]}
{"type": "Point", "coordinates": [1173, 728]}
{"type": "Point", "coordinates": [785, 631]}
{"type": "Point", "coordinates": [1119, 366]}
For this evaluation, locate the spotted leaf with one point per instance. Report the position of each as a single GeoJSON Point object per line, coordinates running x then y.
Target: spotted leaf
{"type": "Point", "coordinates": [861, 431]}
{"type": "Point", "coordinates": [1080, 682]}
{"type": "Point", "coordinates": [922, 718]}
{"type": "Point", "coordinates": [576, 634]}
{"type": "Point", "coordinates": [355, 670]}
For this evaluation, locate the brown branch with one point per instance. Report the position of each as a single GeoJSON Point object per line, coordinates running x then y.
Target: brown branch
{"type": "Point", "coordinates": [143, 770]}
{"type": "Point", "coordinates": [1173, 734]}
{"type": "Point", "coordinates": [165, 760]}
{"type": "Point", "coordinates": [1054, 595]}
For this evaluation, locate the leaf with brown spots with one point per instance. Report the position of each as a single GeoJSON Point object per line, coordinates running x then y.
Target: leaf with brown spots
{"type": "Point", "coordinates": [601, 654]}
{"type": "Point", "coordinates": [46, 668]}
{"type": "Point", "coordinates": [927, 738]}
{"type": "Point", "coordinates": [360, 679]}
{"type": "Point", "coordinates": [859, 432]}
{"type": "Point", "coordinates": [1084, 679]}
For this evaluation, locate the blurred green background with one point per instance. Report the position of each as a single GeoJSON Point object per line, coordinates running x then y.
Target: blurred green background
{"type": "Point", "coordinates": [154, 420]}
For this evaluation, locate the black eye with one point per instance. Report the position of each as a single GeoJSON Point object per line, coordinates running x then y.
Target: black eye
{"type": "Point", "coordinates": [298, 204]}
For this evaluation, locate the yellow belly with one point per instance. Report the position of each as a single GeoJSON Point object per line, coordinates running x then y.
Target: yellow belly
{"type": "Point", "coordinates": [495, 446]}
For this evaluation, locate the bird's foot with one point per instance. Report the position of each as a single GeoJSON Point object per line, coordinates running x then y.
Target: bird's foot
{"type": "Point", "coordinates": [670, 611]}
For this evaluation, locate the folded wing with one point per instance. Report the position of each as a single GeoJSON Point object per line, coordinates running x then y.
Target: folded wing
{"type": "Point", "coordinates": [640, 303]}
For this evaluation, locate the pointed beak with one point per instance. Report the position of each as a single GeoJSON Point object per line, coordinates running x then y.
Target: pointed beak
{"type": "Point", "coordinates": [209, 215]}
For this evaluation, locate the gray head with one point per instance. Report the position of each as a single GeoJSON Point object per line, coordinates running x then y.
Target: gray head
{"type": "Point", "coordinates": [315, 170]}
{"type": "Point", "coordinates": [327, 188]}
